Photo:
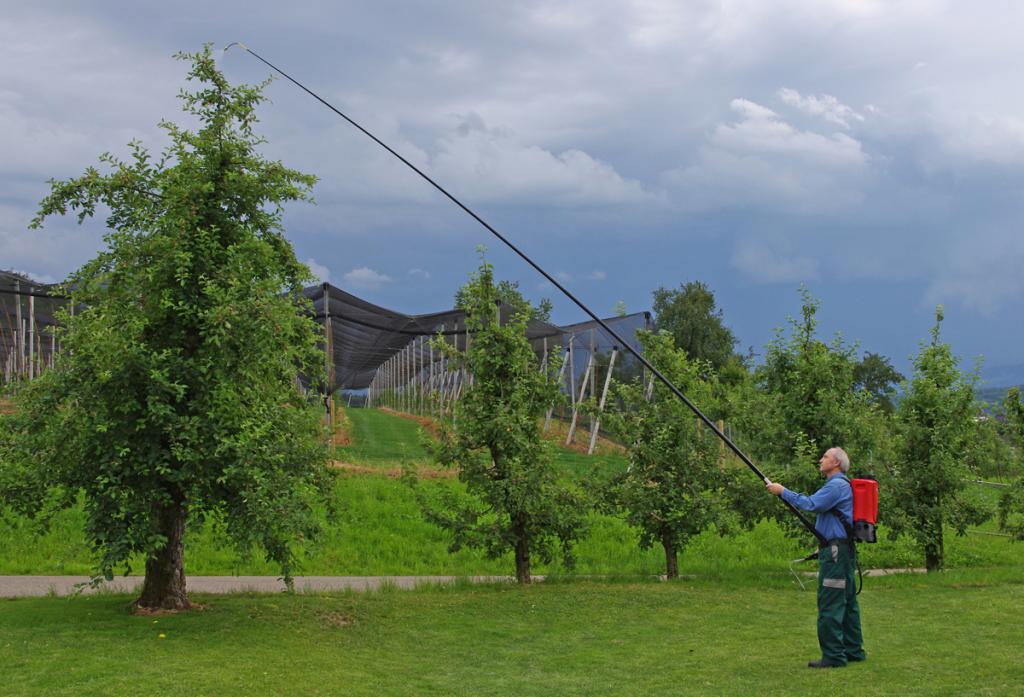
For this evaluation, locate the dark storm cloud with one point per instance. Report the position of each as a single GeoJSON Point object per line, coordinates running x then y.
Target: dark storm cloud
{"type": "Point", "coordinates": [872, 150]}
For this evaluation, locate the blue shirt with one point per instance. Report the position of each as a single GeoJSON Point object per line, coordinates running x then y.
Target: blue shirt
{"type": "Point", "coordinates": [836, 493]}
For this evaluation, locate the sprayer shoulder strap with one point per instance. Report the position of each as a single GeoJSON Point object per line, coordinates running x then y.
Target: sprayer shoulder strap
{"type": "Point", "coordinates": [839, 514]}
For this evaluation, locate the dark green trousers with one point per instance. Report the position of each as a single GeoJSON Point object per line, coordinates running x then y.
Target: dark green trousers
{"type": "Point", "coordinates": [839, 631]}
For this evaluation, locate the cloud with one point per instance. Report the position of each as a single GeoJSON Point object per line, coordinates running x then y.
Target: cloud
{"type": "Point", "coordinates": [761, 263]}
{"type": "Point", "coordinates": [597, 275]}
{"type": "Point", "coordinates": [494, 165]}
{"type": "Point", "coordinates": [983, 273]}
{"type": "Point", "coordinates": [563, 276]}
{"type": "Point", "coordinates": [419, 273]}
{"type": "Point", "coordinates": [761, 160]}
{"type": "Point", "coordinates": [826, 106]}
{"type": "Point", "coordinates": [365, 278]}
{"type": "Point", "coordinates": [319, 270]}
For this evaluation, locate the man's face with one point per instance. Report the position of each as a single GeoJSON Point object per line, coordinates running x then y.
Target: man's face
{"type": "Point", "coordinates": [827, 463]}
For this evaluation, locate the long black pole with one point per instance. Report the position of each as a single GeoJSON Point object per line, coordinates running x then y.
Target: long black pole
{"type": "Point", "coordinates": [622, 342]}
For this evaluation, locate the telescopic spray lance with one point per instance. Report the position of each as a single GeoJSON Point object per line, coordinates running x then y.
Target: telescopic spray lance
{"type": "Point", "coordinates": [621, 342]}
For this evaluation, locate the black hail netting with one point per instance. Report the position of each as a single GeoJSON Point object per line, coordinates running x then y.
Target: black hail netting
{"type": "Point", "coordinates": [361, 337]}
{"type": "Point", "coordinates": [364, 336]}
{"type": "Point", "coordinates": [27, 311]}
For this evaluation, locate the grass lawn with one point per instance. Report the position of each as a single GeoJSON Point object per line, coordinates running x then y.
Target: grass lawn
{"type": "Point", "coordinates": [945, 634]}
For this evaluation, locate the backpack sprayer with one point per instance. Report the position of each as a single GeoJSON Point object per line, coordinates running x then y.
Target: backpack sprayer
{"type": "Point", "coordinates": [551, 279]}
{"type": "Point", "coordinates": [865, 518]}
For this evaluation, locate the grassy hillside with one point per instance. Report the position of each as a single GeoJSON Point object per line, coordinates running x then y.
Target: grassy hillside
{"type": "Point", "coordinates": [379, 530]}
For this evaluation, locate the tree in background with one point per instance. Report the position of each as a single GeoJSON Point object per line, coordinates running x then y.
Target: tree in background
{"type": "Point", "coordinates": [801, 402]}
{"type": "Point", "coordinates": [176, 396]}
{"type": "Point", "coordinates": [1011, 505]}
{"type": "Point", "coordinates": [509, 294]}
{"type": "Point", "coordinates": [672, 490]}
{"type": "Point", "coordinates": [514, 501]}
{"type": "Point", "coordinates": [876, 376]}
{"type": "Point", "coordinates": [689, 314]}
{"type": "Point", "coordinates": [936, 421]}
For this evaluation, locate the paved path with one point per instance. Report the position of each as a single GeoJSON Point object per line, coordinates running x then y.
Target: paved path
{"type": "Point", "coordinates": [23, 586]}
{"type": "Point", "coordinates": [20, 586]}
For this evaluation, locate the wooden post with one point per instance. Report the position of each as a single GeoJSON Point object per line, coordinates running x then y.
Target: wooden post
{"type": "Point", "coordinates": [593, 375]}
{"type": "Point", "coordinates": [561, 377]}
{"type": "Point", "coordinates": [604, 396]}
{"type": "Point", "coordinates": [31, 333]}
{"type": "Point", "coordinates": [19, 330]}
{"type": "Point", "coordinates": [583, 391]}
{"type": "Point", "coordinates": [328, 356]}
{"type": "Point", "coordinates": [572, 373]}
{"type": "Point", "coordinates": [430, 346]}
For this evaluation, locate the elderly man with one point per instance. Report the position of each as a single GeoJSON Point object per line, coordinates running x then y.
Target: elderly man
{"type": "Point", "coordinates": [839, 631]}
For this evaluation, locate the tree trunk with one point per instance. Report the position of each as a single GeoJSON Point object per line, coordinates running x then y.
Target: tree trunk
{"type": "Point", "coordinates": [522, 560]}
{"type": "Point", "coordinates": [671, 562]}
{"type": "Point", "coordinates": [933, 551]}
{"type": "Point", "coordinates": [164, 587]}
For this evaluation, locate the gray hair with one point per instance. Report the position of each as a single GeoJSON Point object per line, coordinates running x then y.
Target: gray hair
{"type": "Point", "coordinates": [842, 458]}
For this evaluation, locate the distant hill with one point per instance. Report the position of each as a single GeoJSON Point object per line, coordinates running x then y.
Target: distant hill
{"type": "Point", "coordinates": [992, 395]}
{"type": "Point", "coordinates": [998, 380]}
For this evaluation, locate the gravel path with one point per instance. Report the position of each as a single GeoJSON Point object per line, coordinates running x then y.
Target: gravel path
{"type": "Point", "coordinates": [22, 586]}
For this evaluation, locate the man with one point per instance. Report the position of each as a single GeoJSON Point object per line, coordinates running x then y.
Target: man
{"type": "Point", "coordinates": [839, 631]}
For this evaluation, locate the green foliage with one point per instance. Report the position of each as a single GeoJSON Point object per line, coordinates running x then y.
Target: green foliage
{"type": "Point", "coordinates": [508, 293]}
{"type": "Point", "coordinates": [690, 316]}
{"type": "Point", "coordinates": [876, 376]}
{"type": "Point", "coordinates": [1011, 506]}
{"type": "Point", "coordinates": [176, 394]}
{"type": "Point", "coordinates": [936, 420]}
{"type": "Point", "coordinates": [803, 401]}
{"type": "Point", "coordinates": [672, 490]}
{"type": "Point", "coordinates": [513, 499]}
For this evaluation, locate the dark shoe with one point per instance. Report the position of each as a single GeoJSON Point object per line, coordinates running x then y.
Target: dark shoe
{"type": "Point", "coordinates": [856, 659]}
{"type": "Point", "coordinates": [824, 664]}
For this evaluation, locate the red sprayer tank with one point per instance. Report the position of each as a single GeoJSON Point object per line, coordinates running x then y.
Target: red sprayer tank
{"type": "Point", "coordinates": [865, 509]}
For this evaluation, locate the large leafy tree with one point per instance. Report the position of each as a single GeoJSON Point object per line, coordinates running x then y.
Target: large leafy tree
{"type": "Point", "coordinates": [936, 419]}
{"type": "Point", "coordinates": [514, 500]}
{"type": "Point", "coordinates": [696, 324]}
{"type": "Point", "coordinates": [803, 401]}
{"type": "Point", "coordinates": [673, 488]}
{"type": "Point", "coordinates": [876, 377]}
{"type": "Point", "coordinates": [177, 394]}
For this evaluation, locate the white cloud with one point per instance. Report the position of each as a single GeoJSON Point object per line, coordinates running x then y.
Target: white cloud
{"type": "Point", "coordinates": [48, 254]}
{"type": "Point", "coordinates": [761, 132]}
{"type": "Point", "coordinates": [563, 276]}
{"type": "Point", "coordinates": [826, 106]}
{"type": "Point", "coordinates": [494, 165]}
{"type": "Point", "coordinates": [761, 160]}
{"type": "Point", "coordinates": [980, 138]}
{"type": "Point", "coordinates": [761, 263]}
{"type": "Point", "coordinates": [597, 275]}
{"type": "Point", "coordinates": [365, 278]}
{"type": "Point", "coordinates": [419, 273]}
{"type": "Point", "coordinates": [319, 270]}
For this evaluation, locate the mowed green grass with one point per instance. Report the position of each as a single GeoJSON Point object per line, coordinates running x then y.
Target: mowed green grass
{"type": "Point", "coordinates": [380, 531]}
{"type": "Point", "coordinates": [955, 633]}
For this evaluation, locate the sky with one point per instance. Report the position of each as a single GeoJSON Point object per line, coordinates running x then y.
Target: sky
{"type": "Point", "coordinates": [870, 151]}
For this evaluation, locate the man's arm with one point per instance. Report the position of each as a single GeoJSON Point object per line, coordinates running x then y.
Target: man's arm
{"type": "Point", "coordinates": [822, 500]}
